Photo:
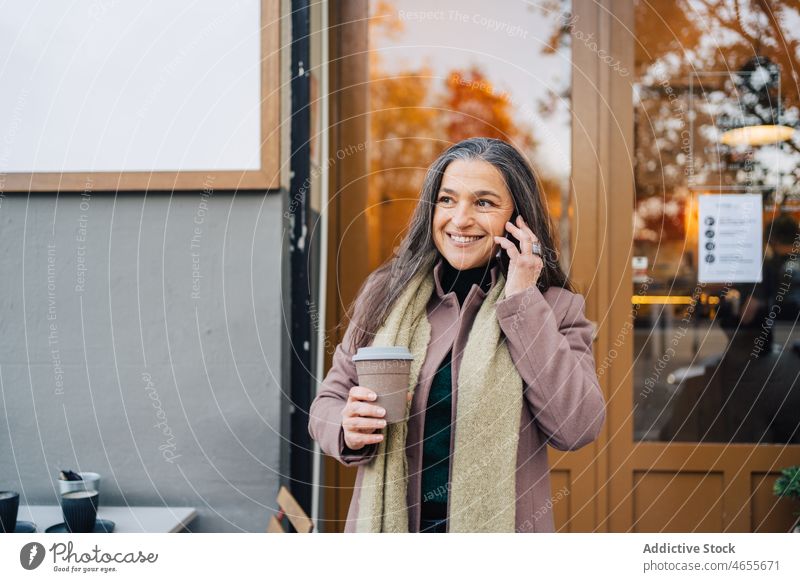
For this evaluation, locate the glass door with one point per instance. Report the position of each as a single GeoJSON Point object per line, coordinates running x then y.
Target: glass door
{"type": "Point", "coordinates": [716, 291]}
{"type": "Point", "coordinates": [715, 262]}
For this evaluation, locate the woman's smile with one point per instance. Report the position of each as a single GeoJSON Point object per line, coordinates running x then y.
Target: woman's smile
{"type": "Point", "coordinates": [462, 240]}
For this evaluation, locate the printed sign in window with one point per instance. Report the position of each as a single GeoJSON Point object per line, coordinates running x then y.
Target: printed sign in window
{"type": "Point", "coordinates": [729, 238]}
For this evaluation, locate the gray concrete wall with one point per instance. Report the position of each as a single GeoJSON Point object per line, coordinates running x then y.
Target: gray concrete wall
{"type": "Point", "coordinates": [126, 350]}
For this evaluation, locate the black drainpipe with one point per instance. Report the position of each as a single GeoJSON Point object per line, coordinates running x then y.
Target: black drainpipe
{"type": "Point", "coordinates": [301, 447]}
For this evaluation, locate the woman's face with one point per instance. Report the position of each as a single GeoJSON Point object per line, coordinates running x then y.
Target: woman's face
{"type": "Point", "coordinates": [472, 206]}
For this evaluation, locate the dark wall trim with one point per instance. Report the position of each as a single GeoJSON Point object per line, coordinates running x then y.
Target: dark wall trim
{"type": "Point", "coordinates": [301, 447]}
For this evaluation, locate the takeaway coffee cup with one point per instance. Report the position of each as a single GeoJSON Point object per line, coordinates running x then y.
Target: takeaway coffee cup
{"type": "Point", "coordinates": [80, 510]}
{"type": "Point", "coordinates": [9, 507]}
{"type": "Point", "coordinates": [385, 371]}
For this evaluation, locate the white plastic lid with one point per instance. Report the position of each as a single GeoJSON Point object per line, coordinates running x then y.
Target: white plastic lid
{"type": "Point", "coordinates": [383, 353]}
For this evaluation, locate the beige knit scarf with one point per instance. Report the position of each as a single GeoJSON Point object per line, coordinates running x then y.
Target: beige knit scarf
{"type": "Point", "coordinates": [489, 404]}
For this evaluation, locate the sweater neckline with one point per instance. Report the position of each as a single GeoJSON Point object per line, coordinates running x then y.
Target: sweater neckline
{"type": "Point", "coordinates": [461, 281]}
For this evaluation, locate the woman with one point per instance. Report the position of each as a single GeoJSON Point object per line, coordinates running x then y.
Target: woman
{"type": "Point", "coordinates": [503, 360]}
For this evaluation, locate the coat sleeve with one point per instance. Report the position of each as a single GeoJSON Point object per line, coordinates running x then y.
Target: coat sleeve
{"type": "Point", "coordinates": [325, 414]}
{"type": "Point", "coordinates": [553, 355]}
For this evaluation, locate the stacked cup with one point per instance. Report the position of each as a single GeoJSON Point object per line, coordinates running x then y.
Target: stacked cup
{"type": "Point", "coordinates": [79, 502]}
{"type": "Point", "coordinates": [9, 507]}
{"type": "Point", "coordinates": [80, 510]}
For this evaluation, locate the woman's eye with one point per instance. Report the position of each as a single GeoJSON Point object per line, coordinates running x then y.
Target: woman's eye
{"type": "Point", "coordinates": [444, 199]}
{"type": "Point", "coordinates": [484, 203]}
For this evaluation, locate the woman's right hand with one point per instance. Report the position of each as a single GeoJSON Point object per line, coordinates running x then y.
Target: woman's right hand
{"type": "Point", "coordinates": [361, 418]}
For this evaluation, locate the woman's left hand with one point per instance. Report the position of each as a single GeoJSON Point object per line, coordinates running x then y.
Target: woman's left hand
{"type": "Point", "coordinates": [524, 266]}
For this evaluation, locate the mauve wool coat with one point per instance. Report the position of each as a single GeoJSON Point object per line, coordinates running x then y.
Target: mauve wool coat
{"type": "Point", "coordinates": [550, 342]}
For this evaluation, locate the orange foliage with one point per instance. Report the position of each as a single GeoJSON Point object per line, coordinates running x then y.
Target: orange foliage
{"type": "Point", "coordinates": [474, 107]}
{"type": "Point", "coordinates": [413, 118]}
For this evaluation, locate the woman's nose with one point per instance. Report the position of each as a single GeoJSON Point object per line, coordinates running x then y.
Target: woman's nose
{"type": "Point", "coordinates": [462, 216]}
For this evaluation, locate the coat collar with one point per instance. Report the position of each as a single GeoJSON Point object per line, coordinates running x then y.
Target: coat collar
{"type": "Point", "coordinates": [437, 274]}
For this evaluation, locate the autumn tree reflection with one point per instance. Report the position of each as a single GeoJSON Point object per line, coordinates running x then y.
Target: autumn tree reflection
{"type": "Point", "coordinates": [415, 113]}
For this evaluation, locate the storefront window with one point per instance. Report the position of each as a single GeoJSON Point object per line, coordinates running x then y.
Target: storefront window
{"type": "Point", "coordinates": [446, 71]}
{"type": "Point", "coordinates": [716, 250]}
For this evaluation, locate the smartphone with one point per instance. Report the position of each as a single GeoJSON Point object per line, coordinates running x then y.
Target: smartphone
{"type": "Point", "coordinates": [502, 254]}
{"type": "Point", "coordinates": [511, 237]}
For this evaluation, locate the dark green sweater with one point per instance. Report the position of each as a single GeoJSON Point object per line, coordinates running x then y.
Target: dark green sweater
{"type": "Point", "coordinates": [436, 448]}
{"type": "Point", "coordinates": [438, 413]}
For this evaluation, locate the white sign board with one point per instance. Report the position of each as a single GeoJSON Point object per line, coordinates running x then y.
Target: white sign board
{"type": "Point", "coordinates": [729, 238]}
{"type": "Point", "coordinates": [124, 86]}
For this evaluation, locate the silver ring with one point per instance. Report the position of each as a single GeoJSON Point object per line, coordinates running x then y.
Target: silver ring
{"type": "Point", "coordinates": [536, 248]}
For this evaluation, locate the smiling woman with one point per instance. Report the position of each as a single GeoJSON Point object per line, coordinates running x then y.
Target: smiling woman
{"type": "Point", "coordinates": [466, 227]}
{"type": "Point", "coordinates": [502, 353]}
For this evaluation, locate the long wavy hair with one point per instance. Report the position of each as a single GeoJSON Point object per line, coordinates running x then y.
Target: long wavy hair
{"type": "Point", "coordinates": [417, 252]}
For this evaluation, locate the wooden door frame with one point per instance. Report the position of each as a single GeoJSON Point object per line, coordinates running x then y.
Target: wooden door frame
{"type": "Point", "coordinates": [590, 267]}
{"type": "Point", "coordinates": [347, 229]}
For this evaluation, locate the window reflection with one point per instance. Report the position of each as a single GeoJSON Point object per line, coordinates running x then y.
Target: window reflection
{"type": "Point", "coordinates": [442, 72]}
{"type": "Point", "coordinates": [719, 360]}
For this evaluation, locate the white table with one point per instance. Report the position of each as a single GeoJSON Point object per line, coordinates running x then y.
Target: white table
{"type": "Point", "coordinates": [133, 519]}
